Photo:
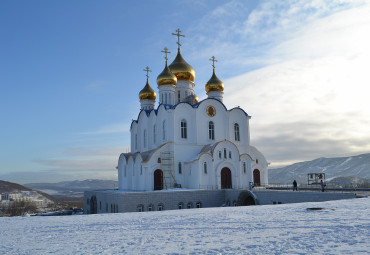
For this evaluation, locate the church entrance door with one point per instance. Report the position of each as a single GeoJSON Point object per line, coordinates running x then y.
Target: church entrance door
{"type": "Point", "coordinates": [93, 205]}
{"type": "Point", "coordinates": [158, 179]}
{"type": "Point", "coordinates": [226, 178]}
{"type": "Point", "coordinates": [256, 177]}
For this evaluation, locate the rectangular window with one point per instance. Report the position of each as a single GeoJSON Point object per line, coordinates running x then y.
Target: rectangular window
{"type": "Point", "coordinates": [211, 130]}
{"type": "Point", "coordinates": [225, 155]}
{"type": "Point", "coordinates": [230, 154]}
{"type": "Point", "coordinates": [164, 130]}
{"type": "Point", "coordinates": [180, 169]}
{"type": "Point", "coordinates": [236, 132]}
{"type": "Point", "coordinates": [154, 134]}
{"type": "Point", "coordinates": [184, 134]}
{"type": "Point", "coordinates": [144, 138]}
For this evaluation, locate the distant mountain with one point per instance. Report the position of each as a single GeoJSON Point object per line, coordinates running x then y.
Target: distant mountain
{"type": "Point", "coordinates": [342, 170]}
{"type": "Point", "coordinates": [72, 188]}
{"type": "Point", "coordinates": [11, 187]}
{"type": "Point", "coordinates": [8, 187]}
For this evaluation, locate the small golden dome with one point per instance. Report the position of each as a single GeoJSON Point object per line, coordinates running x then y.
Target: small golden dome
{"type": "Point", "coordinates": [147, 93]}
{"type": "Point", "coordinates": [181, 69]}
{"type": "Point", "coordinates": [214, 84]}
{"type": "Point", "coordinates": [166, 77]}
{"type": "Point", "coordinates": [196, 99]}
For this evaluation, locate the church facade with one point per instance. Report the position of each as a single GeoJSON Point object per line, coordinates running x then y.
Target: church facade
{"type": "Point", "coordinates": [183, 144]}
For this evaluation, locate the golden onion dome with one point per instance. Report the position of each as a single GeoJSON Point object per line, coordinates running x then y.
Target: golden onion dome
{"type": "Point", "coordinates": [182, 69]}
{"type": "Point", "coordinates": [166, 77]}
{"type": "Point", "coordinates": [196, 99]}
{"type": "Point", "coordinates": [214, 84]}
{"type": "Point", "coordinates": [147, 93]}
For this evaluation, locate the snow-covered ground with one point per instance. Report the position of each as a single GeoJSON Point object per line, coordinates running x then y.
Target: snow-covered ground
{"type": "Point", "coordinates": [342, 227]}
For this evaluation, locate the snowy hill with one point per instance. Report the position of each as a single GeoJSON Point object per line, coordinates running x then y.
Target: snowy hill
{"type": "Point", "coordinates": [341, 227]}
{"type": "Point", "coordinates": [355, 166]}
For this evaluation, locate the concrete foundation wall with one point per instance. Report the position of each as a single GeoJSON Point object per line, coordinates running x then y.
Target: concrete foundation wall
{"type": "Point", "coordinates": [110, 201]}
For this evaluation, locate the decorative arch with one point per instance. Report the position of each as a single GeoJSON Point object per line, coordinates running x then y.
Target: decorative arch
{"type": "Point", "coordinates": [93, 205]}
{"type": "Point", "coordinates": [257, 177]}
{"type": "Point", "coordinates": [158, 179]}
{"type": "Point", "coordinates": [226, 180]}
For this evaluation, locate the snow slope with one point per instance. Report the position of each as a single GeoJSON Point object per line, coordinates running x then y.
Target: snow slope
{"type": "Point", "coordinates": [355, 166]}
{"type": "Point", "coordinates": [343, 227]}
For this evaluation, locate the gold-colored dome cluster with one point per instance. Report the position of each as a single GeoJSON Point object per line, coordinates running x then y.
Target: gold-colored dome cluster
{"type": "Point", "coordinates": [147, 93]}
{"type": "Point", "coordinates": [166, 77]}
{"type": "Point", "coordinates": [214, 84]}
{"type": "Point", "coordinates": [182, 69]}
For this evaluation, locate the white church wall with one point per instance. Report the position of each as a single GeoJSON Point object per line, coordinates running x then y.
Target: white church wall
{"type": "Point", "coordinates": [184, 111]}
{"type": "Point", "coordinates": [219, 120]}
{"type": "Point", "coordinates": [237, 116]}
{"type": "Point", "coordinates": [206, 178]}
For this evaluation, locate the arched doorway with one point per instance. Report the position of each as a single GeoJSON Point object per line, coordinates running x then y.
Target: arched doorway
{"type": "Point", "coordinates": [93, 205]}
{"type": "Point", "coordinates": [246, 199]}
{"type": "Point", "coordinates": [158, 179]}
{"type": "Point", "coordinates": [226, 178]}
{"type": "Point", "coordinates": [256, 177]}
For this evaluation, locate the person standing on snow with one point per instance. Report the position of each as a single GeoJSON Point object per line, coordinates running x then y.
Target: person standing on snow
{"type": "Point", "coordinates": [322, 184]}
{"type": "Point", "coordinates": [295, 187]}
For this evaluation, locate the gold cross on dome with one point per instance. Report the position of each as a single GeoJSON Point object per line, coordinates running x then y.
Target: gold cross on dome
{"type": "Point", "coordinates": [165, 51]}
{"type": "Point", "coordinates": [147, 70]}
{"type": "Point", "coordinates": [213, 59]}
{"type": "Point", "coordinates": [178, 36]}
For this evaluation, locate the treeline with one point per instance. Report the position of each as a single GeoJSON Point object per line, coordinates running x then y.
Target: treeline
{"type": "Point", "coordinates": [18, 208]}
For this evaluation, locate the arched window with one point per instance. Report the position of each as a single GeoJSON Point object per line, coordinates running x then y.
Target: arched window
{"type": "Point", "coordinates": [154, 134]}
{"type": "Point", "coordinates": [236, 132]}
{"type": "Point", "coordinates": [230, 154]}
{"type": "Point", "coordinates": [219, 154]}
{"type": "Point", "coordinates": [211, 130]}
{"type": "Point", "coordinates": [169, 98]}
{"type": "Point", "coordinates": [140, 208]}
{"type": "Point", "coordinates": [184, 133]}
{"type": "Point", "coordinates": [205, 167]}
{"type": "Point", "coordinates": [164, 130]}
{"type": "Point", "coordinates": [180, 169]}
{"type": "Point", "coordinates": [225, 155]}
{"type": "Point", "coordinates": [178, 96]}
{"type": "Point", "coordinates": [150, 208]}
{"type": "Point", "coordinates": [244, 167]}
{"type": "Point", "coordinates": [135, 141]}
{"type": "Point", "coordinates": [141, 169]}
{"type": "Point", "coordinates": [145, 138]}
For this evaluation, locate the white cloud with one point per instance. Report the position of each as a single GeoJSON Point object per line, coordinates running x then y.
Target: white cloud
{"type": "Point", "coordinates": [313, 87]}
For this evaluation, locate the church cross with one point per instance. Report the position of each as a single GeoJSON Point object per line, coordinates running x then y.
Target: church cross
{"type": "Point", "coordinates": [213, 59]}
{"type": "Point", "coordinates": [165, 51]}
{"type": "Point", "coordinates": [147, 70]}
{"type": "Point", "coordinates": [178, 36]}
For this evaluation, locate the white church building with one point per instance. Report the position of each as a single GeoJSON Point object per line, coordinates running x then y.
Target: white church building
{"type": "Point", "coordinates": [184, 144]}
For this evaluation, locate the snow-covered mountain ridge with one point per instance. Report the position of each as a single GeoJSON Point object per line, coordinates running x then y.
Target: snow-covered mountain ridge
{"type": "Point", "coordinates": [354, 166]}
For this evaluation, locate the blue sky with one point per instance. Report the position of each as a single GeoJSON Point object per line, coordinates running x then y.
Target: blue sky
{"type": "Point", "coordinates": [71, 71]}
